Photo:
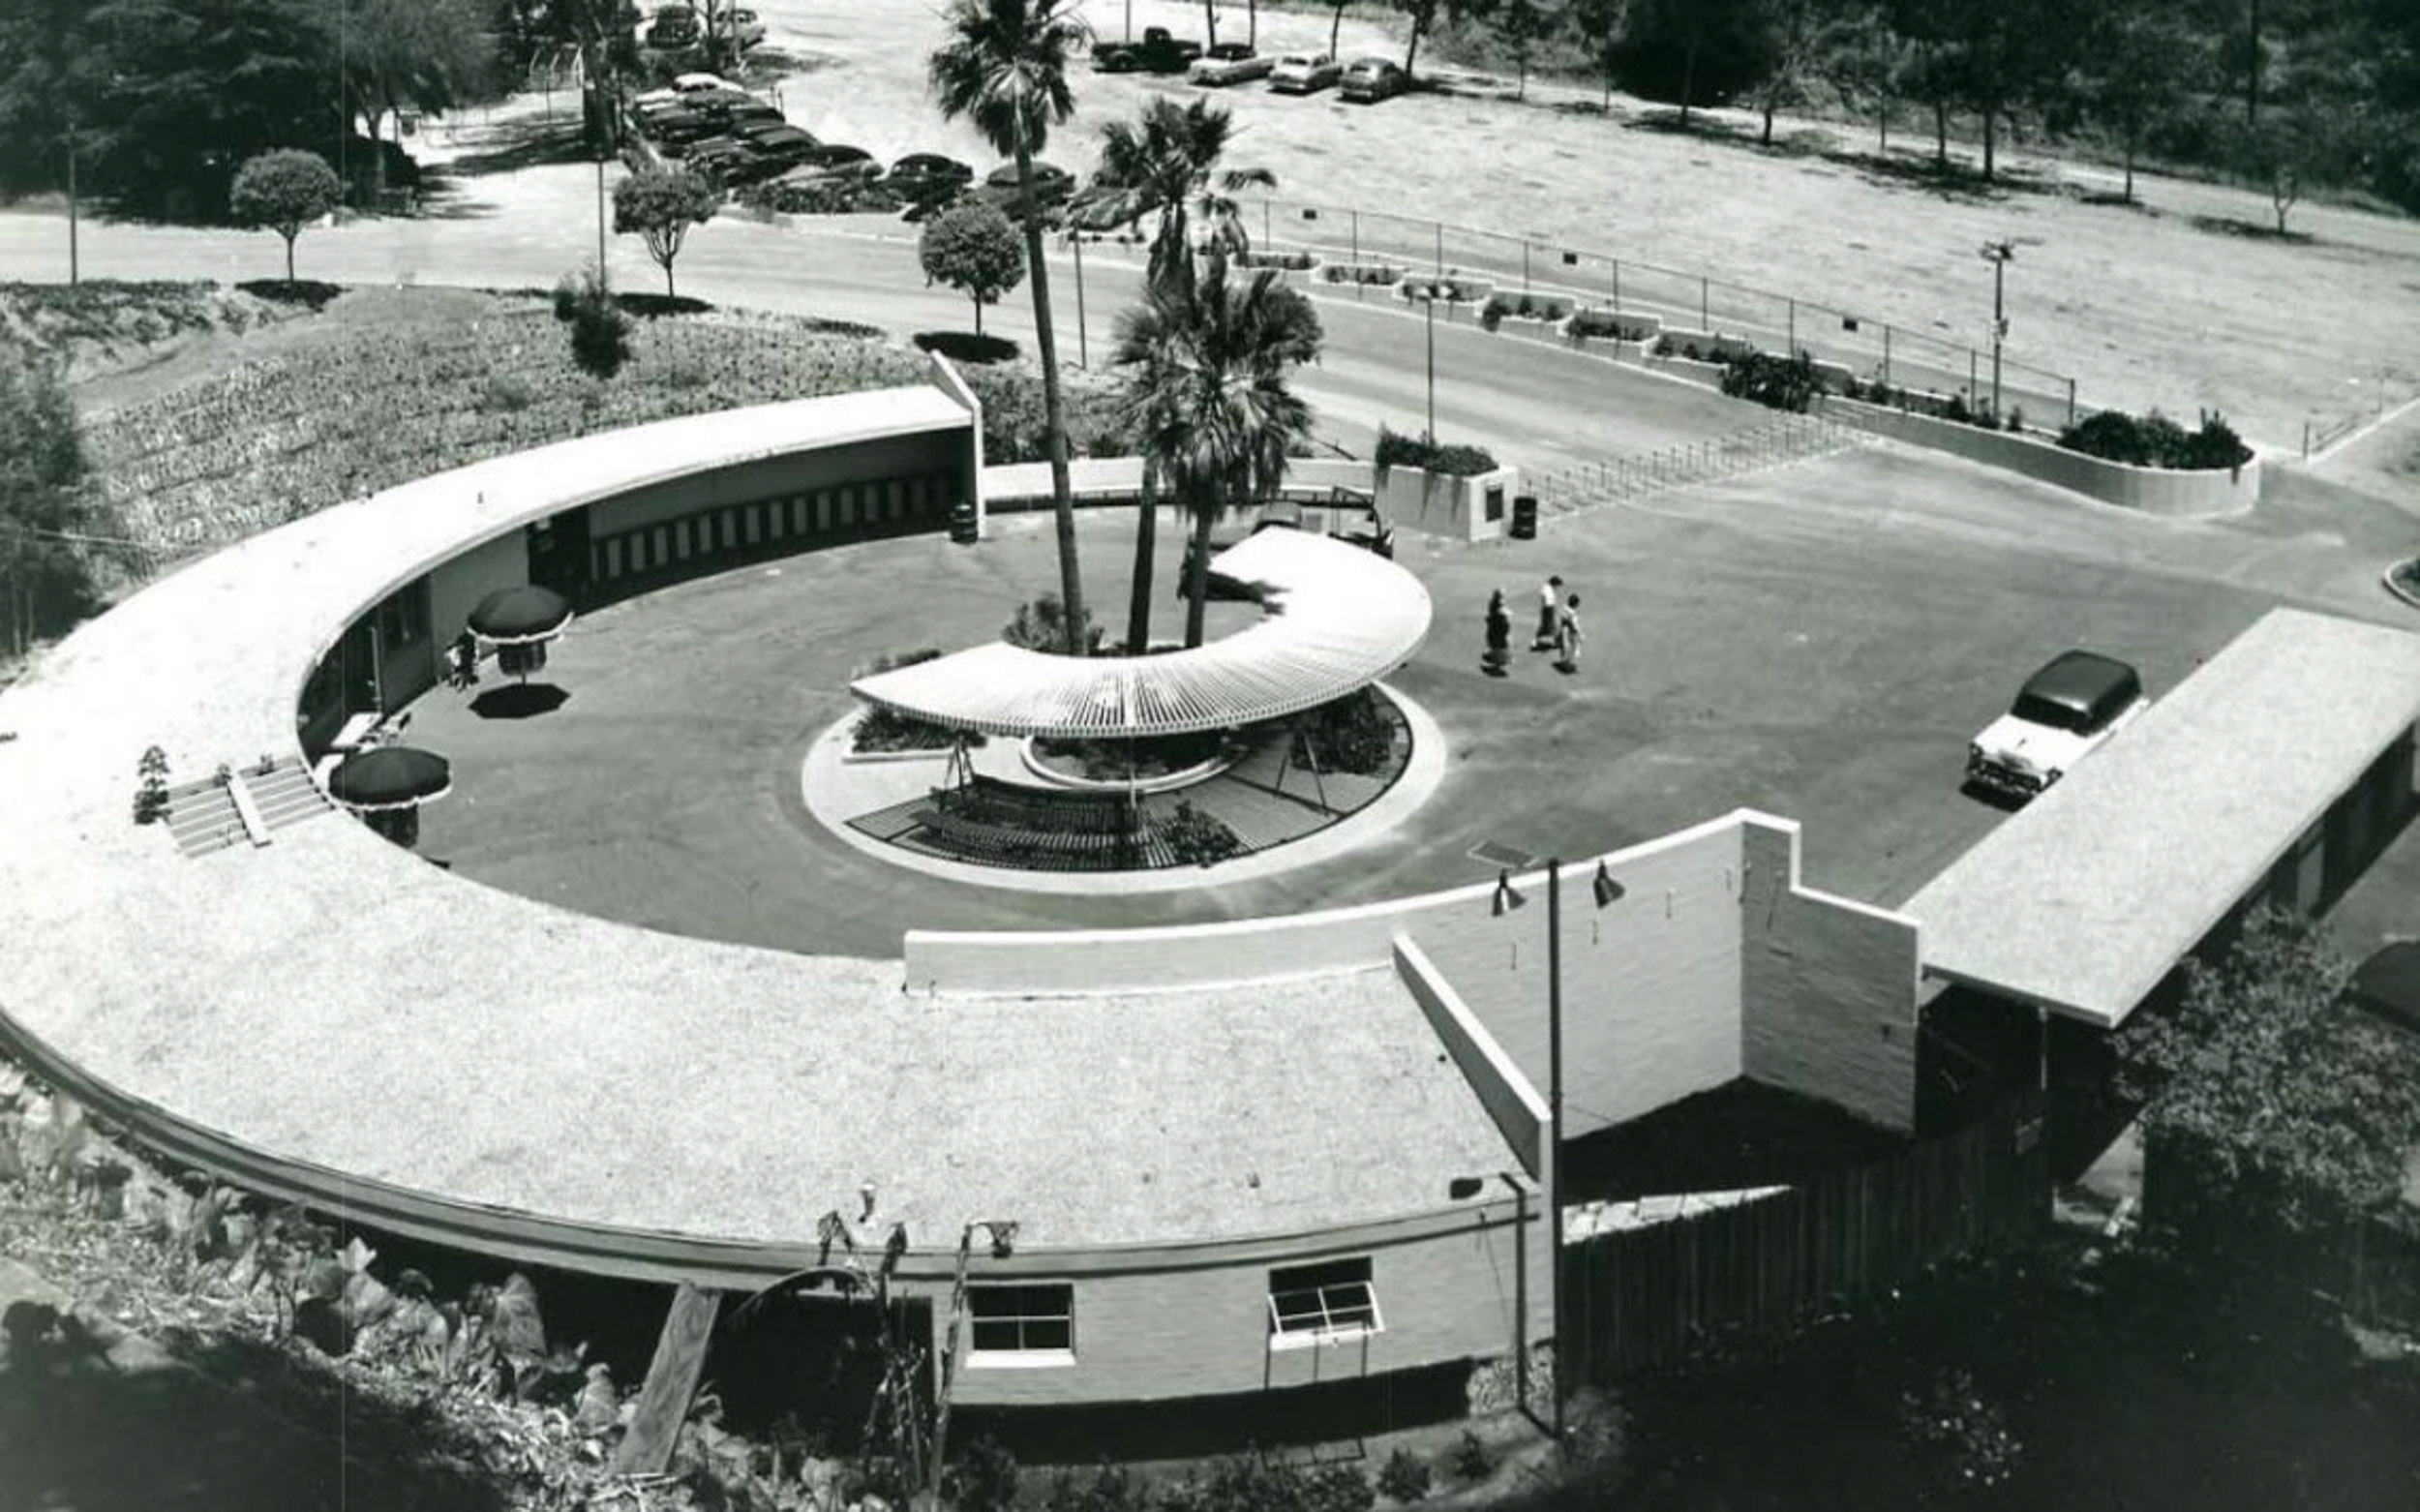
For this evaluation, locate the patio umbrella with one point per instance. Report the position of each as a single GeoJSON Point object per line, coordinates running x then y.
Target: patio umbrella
{"type": "Point", "coordinates": [521, 616]}
{"type": "Point", "coordinates": [387, 777]}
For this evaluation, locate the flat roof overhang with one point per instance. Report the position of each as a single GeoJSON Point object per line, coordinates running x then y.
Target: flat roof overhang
{"type": "Point", "coordinates": [2083, 901]}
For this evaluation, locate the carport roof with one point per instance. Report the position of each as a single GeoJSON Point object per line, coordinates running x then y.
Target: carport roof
{"type": "Point", "coordinates": [2083, 901]}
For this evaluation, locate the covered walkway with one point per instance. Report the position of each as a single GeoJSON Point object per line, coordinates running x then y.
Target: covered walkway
{"type": "Point", "coordinates": [2275, 773]}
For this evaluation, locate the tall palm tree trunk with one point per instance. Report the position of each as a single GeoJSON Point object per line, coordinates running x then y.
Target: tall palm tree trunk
{"type": "Point", "coordinates": [1146, 550]}
{"type": "Point", "coordinates": [1053, 407]}
{"type": "Point", "coordinates": [1197, 568]}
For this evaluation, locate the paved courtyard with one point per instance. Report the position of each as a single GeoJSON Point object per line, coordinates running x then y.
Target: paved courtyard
{"type": "Point", "coordinates": [1818, 640]}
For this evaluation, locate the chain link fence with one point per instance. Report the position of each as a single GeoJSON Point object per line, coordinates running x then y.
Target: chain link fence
{"type": "Point", "coordinates": [1693, 307]}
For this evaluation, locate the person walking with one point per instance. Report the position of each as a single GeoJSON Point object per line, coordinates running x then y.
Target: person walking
{"type": "Point", "coordinates": [1550, 598]}
{"type": "Point", "coordinates": [1568, 637]}
{"type": "Point", "coordinates": [1498, 635]}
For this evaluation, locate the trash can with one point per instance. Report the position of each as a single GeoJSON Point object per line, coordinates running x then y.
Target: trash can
{"type": "Point", "coordinates": [963, 529]}
{"type": "Point", "coordinates": [1525, 519]}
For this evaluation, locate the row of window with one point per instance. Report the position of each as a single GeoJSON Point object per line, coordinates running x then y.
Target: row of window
{"type": "Point", "coordinates": [1030, 1321]}
{"type": "Point", "coordinates": [883, 504]}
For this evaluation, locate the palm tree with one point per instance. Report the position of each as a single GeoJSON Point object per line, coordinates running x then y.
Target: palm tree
{"type": "Point", "coordinates": [1006, 67]}
{"type": "Point", "coordinates": [1210, 398]}
{"type": "Point", "coordinates": [1167, 162]}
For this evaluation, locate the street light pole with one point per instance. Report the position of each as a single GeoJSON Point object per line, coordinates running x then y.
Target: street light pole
{"type": "Point", "coordinates": [71, 204]}
{"type": "Point", "coordinates": [600, 215]}
{"type": "Point", "coordinates": [1431, 433]}
{"type": "Point", "coordinates": [1554, 1123]}
{"type": "Point", "coordinates": [1083, 352]}
{"type": "Point", "coordinates": [1999, 254]}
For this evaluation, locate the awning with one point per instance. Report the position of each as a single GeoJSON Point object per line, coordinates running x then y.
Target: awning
{"type": "Point", "coordinates": [387, 777]}
{"type": "Point", "coordinates": [1338, 619]}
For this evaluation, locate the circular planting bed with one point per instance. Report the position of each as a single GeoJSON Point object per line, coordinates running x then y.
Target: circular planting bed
{"type": "Point", "coordinates": [1159, 764]}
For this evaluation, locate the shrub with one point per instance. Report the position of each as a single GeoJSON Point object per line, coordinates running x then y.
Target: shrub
{"type": "Point", "coordinates": [151, 786]}
{"type": "Point", "coordinates": [2153, 440]}
{"type": "Point", "coordinates": [1042, 626]}
{"type": "Point", "coordinates": [983, 1479]}
{"type": "Point", "coordinates": [567, 297]}
{"type": "Point", "coordinates": [1108, 1490]}
{"type": "Point", "coordinates": [1492, 317]}
{"type": "Point", "coordinates": [504, 393]}
{"type": "Point", "coordinates": [1351, 733]}
{"type": "Point", "coordinates": [1954, 408]}
{"type": "Point", "coordinates": [2017, 417]}
{"type": "Point", "coordinates": [285, 191]}
{"type": "Point", "coordinates": [973, 248]}
{"type": "Point", "coordinates": [1404, 1478]}
{"type": "Point", "coordinates": [601, 332]}
{"type": "Point", "coordinates": [1196, 838]}
{"type": "Point", "coordinates": [1663, 346]}
{"type": "Point", "coordinates": [1396, 449]}
{"type": "Point", "coordinates": [967, 345]}
{"type": "Point", "coordinates": [1776, 383]}
{"type": "Point", "coordinates": [1471, 1460]}
{"type": "Point", "coordinates": [1690, 352]}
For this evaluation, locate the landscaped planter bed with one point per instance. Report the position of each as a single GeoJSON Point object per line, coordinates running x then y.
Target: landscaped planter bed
{"type": "Point", "coordinates": [1624, 330]}
{"type": "Point", "coordinates": [1448, 289]}
{"type": "Point", "coordinates": [1361, 273]}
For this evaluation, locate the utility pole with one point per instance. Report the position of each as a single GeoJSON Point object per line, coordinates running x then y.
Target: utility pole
{"type": "Point", "coordinates": [1083, 352]}
{"type": "Point", "coordinates": [600, 215]}
{"type": "Point", "coordinates": [1555, 1129]}
{"type": "Point", "coordinates": [70, 203]}
{"type": "Point", "coordinates": [1999, 254]}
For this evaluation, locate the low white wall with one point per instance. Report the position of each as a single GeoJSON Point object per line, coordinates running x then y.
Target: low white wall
{"type": "Point", "coordinates": [1452, 507]}
{"type": "Point", "coordinates": [2161, 491]}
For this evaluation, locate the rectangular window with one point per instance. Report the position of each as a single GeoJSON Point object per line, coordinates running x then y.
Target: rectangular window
{"type": "Point", "coordinates": [404, 618]}
{"type": "Point", "coordinates": [1312, 1303]}
{"type": "Point", "coordinates": [1029, 1324]}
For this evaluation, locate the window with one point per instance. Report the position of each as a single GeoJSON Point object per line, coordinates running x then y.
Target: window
{"type": "Point", "coordinates": [1309, 1303]}
{"type": "Point", "coordinates": [1022, 1325]}
{"type": "Point", "coordinates": [404, 618]}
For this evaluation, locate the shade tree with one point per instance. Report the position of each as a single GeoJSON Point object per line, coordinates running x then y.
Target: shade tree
{"type": "Point", "coordinates": [971, 248]}
{"type": "Point", "coordinates": [285, 191]}
{"type": "Point", "coordinates": [660, 208]}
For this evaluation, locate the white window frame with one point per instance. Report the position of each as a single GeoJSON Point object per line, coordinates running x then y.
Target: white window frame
{"type": "Point", "coordinates": [1354, 1295]}
{"type": "Point", "coordinates": [1019, 1358]}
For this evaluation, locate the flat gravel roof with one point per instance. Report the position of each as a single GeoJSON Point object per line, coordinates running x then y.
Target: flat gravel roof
{"type": "Point", "coordinates": [2083, 901]}
{"type": "Point", "coordinates": [339, 1006]}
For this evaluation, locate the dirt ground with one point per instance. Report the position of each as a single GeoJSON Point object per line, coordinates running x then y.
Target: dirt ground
{"type": "Point", "coordinates": [2142, 305]}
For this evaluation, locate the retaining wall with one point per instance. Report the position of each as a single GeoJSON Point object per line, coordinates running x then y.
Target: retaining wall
{"type": "Point", "coordinates": [2161, 491]}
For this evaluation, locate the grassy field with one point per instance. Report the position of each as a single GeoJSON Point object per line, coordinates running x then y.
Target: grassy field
{"type": "Point", "coordinates": [2165, 304]}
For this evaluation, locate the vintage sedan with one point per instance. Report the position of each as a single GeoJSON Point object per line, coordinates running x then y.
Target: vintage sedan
{"type": "Point", "coordinates": [1304, 74]}
{"type": "Point", "coordinates": [2063, 713]}
{"type": "Point", "coordinates": [1229, 63]}
{"type": "Point", "coordinates": [1372, 80]}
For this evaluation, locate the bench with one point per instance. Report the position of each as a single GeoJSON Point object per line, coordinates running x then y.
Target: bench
{"type": "Point", "coordinates": [999, 822]}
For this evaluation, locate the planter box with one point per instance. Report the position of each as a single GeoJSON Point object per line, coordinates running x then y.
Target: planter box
{"type": "Point", "coordinates": [2162, 491]}
{"type": "Point", "coordinates": [1646, 327]}
{"type": "Point", "coordinates": [1545, 309]}
{"type": "Point", "coordinates": [1384, 273]}
{"type": "Point", "coordinates": [1297, 264]}
{"type": "Point", "coordinates": [1473, 508]}
{"type": "Point", "coordinates": [1707, 374]}
{"type": "Point", "coordinates": [1465, 290]}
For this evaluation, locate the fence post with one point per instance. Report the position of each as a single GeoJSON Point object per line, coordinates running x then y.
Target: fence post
{"type": "Point", "coordinates": [1886, 354]}
{"type": "Point", "coordinates": [1525, 264]}
{"type": "Point", "coordinates": [1970, 374]}
{"type": "Point", "coordinates": [1616, 286]}
{"type": "Point", "coordinates": [1704, 321]}
{"type": "Point", "coordinates": [2070, 401]}
{"type": "Point", "coordinates": [2306, 439]}
{"type": "Point", "coordinates": [1356, 221]}
{"type": "Point", "coordinates": [1794, 330]}
{"type": "Point", "coordinates": [1440, 245]}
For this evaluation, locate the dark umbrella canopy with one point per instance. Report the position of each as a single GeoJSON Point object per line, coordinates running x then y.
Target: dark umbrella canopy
{"type": "Point", "coordinates": [512, 615]}
{"type": "Point", "coordinates": [388, 777]}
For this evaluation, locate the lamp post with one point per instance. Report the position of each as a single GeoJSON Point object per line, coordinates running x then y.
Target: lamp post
{"type": "Point", "coordinates": [1999, 254]}
{"type": "Point", "coordinates": [601, 213]}
{"type": "Point", "coordinates": [71, 204]}
{"type": "Point", "coordinates": [1431, 302]}
{"type": "Point", "coordinates": [1076, 239]}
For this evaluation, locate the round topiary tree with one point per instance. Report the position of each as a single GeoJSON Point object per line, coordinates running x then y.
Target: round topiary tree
{"type": "Point", "coordinates": [973, 248]}
{"type": "Point", "coordinates": [660, 208]}
{"type": "Point", "coordinates": [283, 191]}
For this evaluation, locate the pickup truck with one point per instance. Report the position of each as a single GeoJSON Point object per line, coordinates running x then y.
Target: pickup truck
{"type": "Point", "coordinates": [2064, 713]}
{"type": "Point", "coordinates": [1229, 63]}
{"type": "Point", "coordinates": [1159, 53]}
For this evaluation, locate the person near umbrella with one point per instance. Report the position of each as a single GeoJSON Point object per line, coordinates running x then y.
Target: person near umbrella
{"type": "Point", "coordinates": [1498, 635]}
{"type": "Point", "coordinates": [463, 660]}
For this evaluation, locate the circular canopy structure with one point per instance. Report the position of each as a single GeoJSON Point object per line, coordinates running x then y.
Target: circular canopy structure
{"type": "Point", "coordinates": [387, 777]}
{"type": "Point", "coordinates": [1338, 619]}
{"type": "Point", "coordinates": [521, 616]}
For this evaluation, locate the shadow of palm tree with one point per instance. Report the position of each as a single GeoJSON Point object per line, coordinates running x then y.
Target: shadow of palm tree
{"type": "Point", "coordinates": [246, 1425]}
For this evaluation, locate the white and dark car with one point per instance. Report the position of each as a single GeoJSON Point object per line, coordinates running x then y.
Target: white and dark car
{"type": "Point", "coordinates": [2064, 713]}
{"type": "Point", "coordinates": [1229, 63]}
{"type": "Point", "coordinates": [1304, 74]}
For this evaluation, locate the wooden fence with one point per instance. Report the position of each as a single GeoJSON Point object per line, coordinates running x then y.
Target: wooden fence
{"type": "Point", "coordinates": [1640, 1297]}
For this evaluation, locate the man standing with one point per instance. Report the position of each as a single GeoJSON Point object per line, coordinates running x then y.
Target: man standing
{"type": "Point", "coordinates": [1550, 614]}
{"type": "Point", "coordinates": [1568, 637]}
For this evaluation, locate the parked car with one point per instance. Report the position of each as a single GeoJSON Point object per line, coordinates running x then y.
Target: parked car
{"type": "Point", "coordinates": [2064, 713]}
{"type": "Point", "coordinates": [671, 28]}
{"type": "Point", "coordinates": [1372, 80]}
{"type": "Point", "coordinates": [1304, 73]}
{"type": "Point", "coordinates": [928, 175]}
{"type": "Point", "coordinates": [1052, 183]}
{"type": "Point", "coordinates": [723, 160]}
{"type": "Point", "coordinates": [1159, 53]}
{"type": "Point", "coordinates": [833, 160]}
{"type": "Point", "coordinates": [1229, 63]}
{"type": "Point", "coordinates": [785, 144]}
{"type": "Point", "coordinates": [748, 27]}
{"type": "Point", "coordinates": [705, 84]}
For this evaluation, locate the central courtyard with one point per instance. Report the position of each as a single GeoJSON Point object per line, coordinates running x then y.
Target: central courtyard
{"type": "Point", "coordinates": [1742, 649]}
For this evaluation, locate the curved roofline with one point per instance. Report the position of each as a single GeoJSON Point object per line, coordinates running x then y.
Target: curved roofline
{"type": "Point", "coordinates": [1339, 619]}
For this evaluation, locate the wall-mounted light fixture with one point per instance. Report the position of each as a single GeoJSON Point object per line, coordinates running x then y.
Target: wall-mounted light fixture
{"type": "Point", "coordinates": [1608, 891]}
{"type": "Point", "coordinates": [1508, 897]}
